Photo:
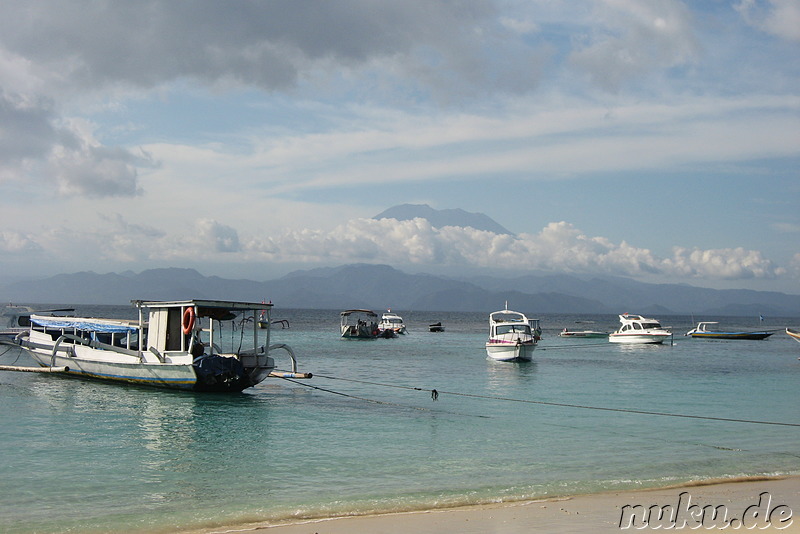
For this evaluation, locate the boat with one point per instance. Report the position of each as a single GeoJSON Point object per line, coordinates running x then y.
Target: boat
{"type": "Point", "coordinates": [510, 336]}
{"type": "Point", "coordinates": [436, 327]}
{"type": "Point", "coordinates": [708, 330]}
{"type": "Point", "coordinates": [638, 329]}
{"type": "Point", "coordinates": [392, 322]}
{"type": "Point", "coordinates": [359, 324]}
{"type": "Point", "coordinates": [794, 333]}
{"type": "Point", "coordinates": [173, 344]}
{"type": "Point", "coordinates": [582, 333]}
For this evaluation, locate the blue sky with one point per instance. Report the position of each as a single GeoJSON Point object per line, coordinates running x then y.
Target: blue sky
{"type": "Point", "coordinates": [658, 140]}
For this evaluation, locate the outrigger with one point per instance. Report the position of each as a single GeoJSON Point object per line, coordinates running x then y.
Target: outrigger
{"type": "Point", "coordinates": [173, 344]}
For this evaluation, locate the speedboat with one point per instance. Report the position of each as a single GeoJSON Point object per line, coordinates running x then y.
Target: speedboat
{"type": "Point", "coordinates": [359, 324]}
{"type": "Point", "coordinates": [638, 329]}
{"type": "Point", "coordinates": [794, 334]}
{"type": "Point", "coordinates": [510, 336]}
{"type": "Point", "coordinates": [708, 330]}
{"type": "Point", "coordinates": [392, 322]}
{"type": "Point", "coordinates": [582, 333]}
{"type": "Point", "coordinates": [173, 344]}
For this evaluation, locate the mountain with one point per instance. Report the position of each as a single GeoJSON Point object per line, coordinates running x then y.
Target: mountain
{"type": "Point", "coordinates": [440, 218]}
{"type": "Point", "coordinates": [381, 286]}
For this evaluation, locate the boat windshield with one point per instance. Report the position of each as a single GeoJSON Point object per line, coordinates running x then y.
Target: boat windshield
{"type": "Point", "coordinates": [513, 328]}
{"type": "Point", "coordinates": [651, 325]}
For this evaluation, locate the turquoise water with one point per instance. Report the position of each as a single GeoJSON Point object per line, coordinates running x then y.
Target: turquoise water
{"type": "Point", "coordinates": [81, 456]}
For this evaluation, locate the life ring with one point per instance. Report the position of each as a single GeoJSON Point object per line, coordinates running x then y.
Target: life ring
{"type": "Point", "coordinates": [188, 320]}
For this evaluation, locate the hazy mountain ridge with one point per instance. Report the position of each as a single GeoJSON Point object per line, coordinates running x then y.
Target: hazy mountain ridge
{"type": "Point", "coordinates": [381, 286]}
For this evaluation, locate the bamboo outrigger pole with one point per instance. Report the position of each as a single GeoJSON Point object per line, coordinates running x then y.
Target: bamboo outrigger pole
{"type": "Point", "coordinates": [34, 369]}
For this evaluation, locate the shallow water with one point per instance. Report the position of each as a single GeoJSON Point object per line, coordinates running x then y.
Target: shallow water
{"type": "Point", "coordinates": [88, 456]}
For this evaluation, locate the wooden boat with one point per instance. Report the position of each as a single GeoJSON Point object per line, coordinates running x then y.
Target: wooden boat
{"type": "Point", "coordinates": [436, 327]}
{"type": "Point", "coordinates": [638, 329]}
{"type": "Point", "coordinates": [794, 333]}
{"type": "Point", "coordinates": [582, 333]}
{"type": "Point", "coordinates": [17, 319]}
{"type": "Point", "coordinates": [173, 344]}
{"type": "Point", "coordinates": [708, 330]}
{"type": "Point", "coordinates": [359, 324]}
{"type": "Point", "coordinates": [510, 336]}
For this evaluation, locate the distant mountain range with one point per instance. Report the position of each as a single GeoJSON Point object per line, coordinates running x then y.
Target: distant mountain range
{"type": "Point", "coordinates": [441, 218]}
{"type": "Point", "coordinates": [381, 286]}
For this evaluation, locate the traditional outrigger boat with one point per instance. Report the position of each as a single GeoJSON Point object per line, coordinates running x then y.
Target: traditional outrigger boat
{"type": "Point", "coordinates": [794, 333]}
{"type": "Point", "coordinates": [709, 330]}
{"type": "Point", "coordinates": [173, 344]}
{"type": "Point", "coordinates": [359, 324]}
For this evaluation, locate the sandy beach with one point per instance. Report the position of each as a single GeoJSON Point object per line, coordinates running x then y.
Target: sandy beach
{"type": "Point", "coordinates": [764, 504]}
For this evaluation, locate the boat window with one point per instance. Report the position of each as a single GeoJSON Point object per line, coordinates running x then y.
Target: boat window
{"type": "Point", "coordinates": [651, 325]}
{"type": "Point", "coordinates": [513, 328]}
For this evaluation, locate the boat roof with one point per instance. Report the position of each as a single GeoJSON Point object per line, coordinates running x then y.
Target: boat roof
{"type": "Point", "coordinates": [633, 317]}
{"type": "Point", "coordinates": [202, 303]}
{"type": "Point", "coordinates": [368, 312]}
{"type": "Point", "coordinates": [508, 316]}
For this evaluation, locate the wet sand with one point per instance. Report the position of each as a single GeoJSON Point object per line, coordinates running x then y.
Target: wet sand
{"type": "Point", "coordinates": [763, 505]}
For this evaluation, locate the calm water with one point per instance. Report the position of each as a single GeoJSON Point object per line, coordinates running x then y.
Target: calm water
{"type": "Point", "coordinates": [83, 456]}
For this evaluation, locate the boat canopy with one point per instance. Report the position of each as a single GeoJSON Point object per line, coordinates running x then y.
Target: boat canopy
{"type": "Point", "coordinates": [84, 325]}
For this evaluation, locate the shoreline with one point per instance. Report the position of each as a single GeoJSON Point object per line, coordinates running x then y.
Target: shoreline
{"type": "Point", "coordinates": [748, 501]}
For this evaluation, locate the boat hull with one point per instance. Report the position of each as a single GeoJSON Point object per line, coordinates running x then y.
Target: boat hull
{"type": "Point", "coordinates": [652, 339]}
{"type": "Point", "coordinates": [510, 352]}
{"type": "Point", "coordinates": [181, 376]}
{"type": "Point", "coordinates": [731, 335]}
{"type": "Point", "coordinates": [584, 334]}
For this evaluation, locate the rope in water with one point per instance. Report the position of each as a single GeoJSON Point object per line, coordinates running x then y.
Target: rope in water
{"type": "Point", "coordinates": [436, 393]}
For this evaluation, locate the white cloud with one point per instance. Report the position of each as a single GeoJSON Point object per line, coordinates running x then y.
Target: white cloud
{"type": "Point", "coordinates": [780, 18]}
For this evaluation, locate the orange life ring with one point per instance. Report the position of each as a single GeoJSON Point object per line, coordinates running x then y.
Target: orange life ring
{"type": "Point", "coordinates": [188, 320]}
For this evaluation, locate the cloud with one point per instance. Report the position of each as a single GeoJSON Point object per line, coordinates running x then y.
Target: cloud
{"type": "Point", "coordinates": [16, 243]}
{"type": "Point", "coordinates": [635, 37]}
{"type": "Point", "coordinates": [558, 247]}
{"type": "Point", "coordinates": [780, 18]}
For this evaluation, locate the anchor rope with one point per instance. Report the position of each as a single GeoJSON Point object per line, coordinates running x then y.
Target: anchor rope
{"type": "Point", "coordinates": [439, 392]}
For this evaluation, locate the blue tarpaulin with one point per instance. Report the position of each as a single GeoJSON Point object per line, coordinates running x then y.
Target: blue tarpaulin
{"type": "Point", "coordinates": [84, 325]}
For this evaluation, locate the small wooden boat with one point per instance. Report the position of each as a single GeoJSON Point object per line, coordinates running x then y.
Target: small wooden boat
{"type": "Point", "coordinates": [173, 344]}
{"type": "Point", "coordinates": [708, 330]}
{"type": "Point", "coordinates": [436, 327]}
{"type": "Point", "coordinates": [359, 324]}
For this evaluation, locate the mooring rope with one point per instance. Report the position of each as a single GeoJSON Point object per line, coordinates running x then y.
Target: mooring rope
{"type": "Point", "coordinates": [436, 393]}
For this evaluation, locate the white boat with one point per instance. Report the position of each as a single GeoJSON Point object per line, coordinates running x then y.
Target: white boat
{"type": "Point", "coordinates": [582, 333]}
{"type": "Point", "coordinates": [638, 329]}
{"type": "Point", "coordinates": [174, 344]}
{"type": "Point", "coordinates": [392, 322]}
{"type": "Point", "coordinates": [510, 336]}
{"type": "Point", "coordinates": [359, 324]}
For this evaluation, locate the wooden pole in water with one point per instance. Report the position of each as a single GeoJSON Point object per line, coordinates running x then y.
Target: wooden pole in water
{"type": "Point", "coordinates": [34, 369]}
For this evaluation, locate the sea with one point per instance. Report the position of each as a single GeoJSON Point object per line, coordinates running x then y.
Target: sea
{"type": "Point", "coordinates": [417, 422]}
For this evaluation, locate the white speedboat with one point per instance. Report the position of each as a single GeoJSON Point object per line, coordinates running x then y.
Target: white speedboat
{"type": "Point", "coordinates": [510, 336]}
{"type": "Point", "coordinates": [173, 344]}
{"type": "Point", "coordinates": [359, 324]}
{"type": "Point", "coordinates": [638, 329]}
{"type": "Point", "coordinates": [392, 322]}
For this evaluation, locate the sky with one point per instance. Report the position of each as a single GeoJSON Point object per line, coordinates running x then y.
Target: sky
{"type": "Point", "coordinates": [652, 139]}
